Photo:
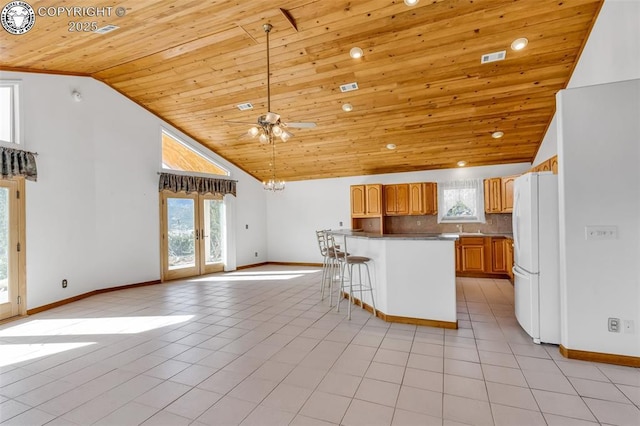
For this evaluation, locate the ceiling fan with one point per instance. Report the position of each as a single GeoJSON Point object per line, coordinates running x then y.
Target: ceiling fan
{"type": "Point", "coordinates": [269, 125]}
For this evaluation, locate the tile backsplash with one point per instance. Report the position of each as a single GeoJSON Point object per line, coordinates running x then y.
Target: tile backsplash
{"type": "Point", "coordinates": [495, 224]}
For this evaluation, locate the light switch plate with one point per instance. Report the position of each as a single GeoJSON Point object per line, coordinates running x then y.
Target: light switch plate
{"type": "Point", "coordinates": [601, 232]}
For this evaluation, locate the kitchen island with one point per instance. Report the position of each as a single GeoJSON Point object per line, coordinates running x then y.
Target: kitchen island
{"type": "Point", "coordinates": [413, 275]}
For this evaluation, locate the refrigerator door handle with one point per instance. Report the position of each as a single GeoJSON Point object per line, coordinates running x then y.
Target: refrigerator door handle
{"type": "Point", "coordinates": [520, 273]}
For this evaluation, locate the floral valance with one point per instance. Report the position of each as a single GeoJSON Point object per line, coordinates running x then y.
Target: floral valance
{"type": "Point", "coordinates": [201, 185]}
{"type": "Point", "coordinates": [15, 162]}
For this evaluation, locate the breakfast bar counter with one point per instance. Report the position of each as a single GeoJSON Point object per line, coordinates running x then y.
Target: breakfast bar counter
{"type": "Point", "coordinates": [413, 275]}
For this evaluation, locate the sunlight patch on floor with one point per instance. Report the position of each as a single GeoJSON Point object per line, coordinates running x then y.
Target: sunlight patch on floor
{"type": "Point", "coordinates": [92, 326]}
{"type": "Point", "coordinates": [12, 354]}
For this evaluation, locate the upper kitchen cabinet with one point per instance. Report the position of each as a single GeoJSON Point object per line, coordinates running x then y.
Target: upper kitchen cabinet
{"type": "Point", "coordinates": [396, 199]}
{"type": "Point", "coordinates": [507, 193]}
{"type": "Point", "coordinates": [423, 198]}
{"type": "Point", "coordinates": [498, 194]}
{"type": "Point", "coordinates": [366, 200]}
{"type": "Point", "coordinates": [554, 164]}
{"type": "Point", "coordinates": [430, 197]}
{"type": "Point", "coordinates": [493, 195]}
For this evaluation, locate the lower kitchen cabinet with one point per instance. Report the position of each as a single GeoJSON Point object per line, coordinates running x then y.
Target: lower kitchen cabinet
{"type": "Point", "coordinates": [473, 256]}
{"type": "Point", "coordinates": [484, 256]}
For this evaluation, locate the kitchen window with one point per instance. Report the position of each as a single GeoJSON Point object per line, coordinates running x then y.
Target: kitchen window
{"type": "Point", "coordinates": [461, 201]}
{"type": "Point", "coordinates": [9, 111]}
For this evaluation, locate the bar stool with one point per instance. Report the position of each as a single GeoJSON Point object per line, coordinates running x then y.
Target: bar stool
{"type": "Point", "coordinates": [324, 251]}
{"type": "Point", "coordinates": [347, 262]}
{"type": "Point", "coordinates": [335, 257]}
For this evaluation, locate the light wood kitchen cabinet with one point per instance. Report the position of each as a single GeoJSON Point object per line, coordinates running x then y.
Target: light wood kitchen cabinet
{"type": "Point", "coordinates": [366, 200]}
{"type": "Point", "coordinates": [473, 256]}
{"type": "Point", "coordinates": [493, 195]}
{"type": "Point", "coordinates": [554, 164]}
{"type": "Point", "coordinates": [507, 193]}
{"type": "Point", "coordinates": [423, 198]}
{"type": "Point", "coordinates": [430, 197]}
{"type": "Point", "coordinates": [545, 166]}
{"type": "Point", "coordinates": [508, 249]}
{"type": "Point", "coordinates": [498, 256]}
{"type": "Point", "coordinates": [498, 194]}
{"type": "Point", "coordinates": [484, 256]}
{"type": "Point", "coordinates": [396, 199]}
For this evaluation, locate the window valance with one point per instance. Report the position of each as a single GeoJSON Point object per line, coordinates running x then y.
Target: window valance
{"type": "Point", "coordinates": [201, 185]}
{"type": "Point", "coordinates": [15, 162]}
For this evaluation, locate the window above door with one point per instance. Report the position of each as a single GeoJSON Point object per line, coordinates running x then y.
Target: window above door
{"type": "Point", "coordinates": [179, 155]}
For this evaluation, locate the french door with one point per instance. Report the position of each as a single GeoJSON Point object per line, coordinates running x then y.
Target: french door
{"type": "Point", "coordinates": [193, 237]}
{"type": "Point", "coordinates": [11, 219]}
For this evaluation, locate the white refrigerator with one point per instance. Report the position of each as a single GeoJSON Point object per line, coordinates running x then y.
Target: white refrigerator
{"type": "Point", "coordinates": [536, 251]}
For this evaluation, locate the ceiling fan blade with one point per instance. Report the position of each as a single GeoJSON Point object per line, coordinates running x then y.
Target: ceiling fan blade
{"type": "Point", "coordinates": [302, 125]}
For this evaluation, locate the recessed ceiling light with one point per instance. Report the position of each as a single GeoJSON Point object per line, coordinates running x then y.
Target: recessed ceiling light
{"type": "Point", "coordinates": [347, 107]}
{"type": "Point", "coordinates": [391, 146]}
{"type": "Point", "coordinates": [356, 52]}
{"type": "Point", "coordinates": [462, 163]}
{"type": "Point", "coordinates": [519, 43]}
{"type": "Point", "coordinates": [411, 2]}
{"type": "Point", "coordinates": [497, 135]}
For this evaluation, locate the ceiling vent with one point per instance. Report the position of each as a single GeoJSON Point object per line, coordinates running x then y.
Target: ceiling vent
{"type": "Point", "coordinates": [106, 29]}
{"type": "Point", "coordinates": [349, 87]}
{"type": "Point", "coordinates": [245, 107]}
{"type": "Point", "coordinates": [493, 57]}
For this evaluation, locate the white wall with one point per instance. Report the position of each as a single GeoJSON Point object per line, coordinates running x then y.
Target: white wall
{"type": "Point", "coordinates": [612, 53]}
{"type": "Point", "coordinates": [93, 216]}
{"type": "Point", "coordinates": [599, 184]}
{"type": "Point", "coordinates": [306, 206]}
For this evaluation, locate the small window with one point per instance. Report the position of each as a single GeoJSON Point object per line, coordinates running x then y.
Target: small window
{"type": "Point", "coordinates": [9, 116]}
{"type": "Point", "coordinates": [461, 201]}
{"type": "Point", "coordinates": [178, 155]}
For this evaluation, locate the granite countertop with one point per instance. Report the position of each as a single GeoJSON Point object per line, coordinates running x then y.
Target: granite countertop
{"type": "Point", "coordinates": [447, 236]}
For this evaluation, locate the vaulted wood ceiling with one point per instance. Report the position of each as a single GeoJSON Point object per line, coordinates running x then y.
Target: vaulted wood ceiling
{"type": "Point", "coordinates": [421, 84]}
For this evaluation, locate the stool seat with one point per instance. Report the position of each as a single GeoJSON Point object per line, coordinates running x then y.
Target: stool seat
{"type": "Point", "coordinates": [358, 259]}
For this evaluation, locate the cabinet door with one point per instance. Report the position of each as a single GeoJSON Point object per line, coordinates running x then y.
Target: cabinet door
{"type": "Point", "coordinates": [507, 193]}
{"type": "Point", "coordinates": [545, 166]}
{"type": "Point", "coordinates": [554, 164]}
{"type": "Point", "coordinates": [358, 205]}
{"type": "Point", "coordinates": [416, 199]}
{"type": "Point", "coordinates": [493, 195]}
{"type": "Point", "coordinates": [402, 199]}
{"type": "Point", "coordinates": [472, 258]}
{"type": "Point", "coordinates": [390, 199]}
{"type": "Point", "coordinates": [508, 256]}
{"type": "Point", "coordinates": [430, 198]}
{"type": "Point", "coordinates": [498, 258]}
{"type": "Point", "coordinates": [374, 200]}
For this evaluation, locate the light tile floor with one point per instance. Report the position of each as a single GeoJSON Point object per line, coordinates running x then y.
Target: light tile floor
{"type": "Point", "coordinates": [258, 347]}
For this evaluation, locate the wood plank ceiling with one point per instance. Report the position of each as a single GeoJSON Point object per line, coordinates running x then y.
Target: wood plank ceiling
{"type": "Point", "coordinates": [421, 84]}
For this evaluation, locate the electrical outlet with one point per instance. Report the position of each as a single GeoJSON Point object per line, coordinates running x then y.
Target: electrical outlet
{"type": "Point", "coordinates": [629, 327]}
{"type": "Point", "coordinates": [614, 325]}
{"type": "Point", "coordinates": [256, 254]}
{"type": "Point", "coordinates": [246, 226]}
{"type": "Point", "coordinates": [419, 223]}
{"type": "Point", "coordinates": [340, 224]}
{"type": "Point", "coordinates": [64, 283]}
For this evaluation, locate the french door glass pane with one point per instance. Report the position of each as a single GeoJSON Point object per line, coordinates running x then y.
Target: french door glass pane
{"type": "Point", "coordinates": [213, 231]}
{"type": "Point", "coordinates": [4, 245]}
{"type": "Point", "coordinates": [181, 232]}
